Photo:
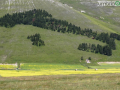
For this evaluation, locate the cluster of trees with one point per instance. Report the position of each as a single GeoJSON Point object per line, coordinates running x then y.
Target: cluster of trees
{"type": "Point", "coordinates": [114, 35]}
{"type": "Point", "coordinates": [89, 58]}
{"type": "Point", "coordinates": [105, 38]}
{"type": "Point", "coordinates": [27, 18]}
{"type": "Point", "coordinates": [43, 19]}
{"type": "Point", "coordinates": [106, 50]}
{"type": "Point", "coordinates": [36, 40]}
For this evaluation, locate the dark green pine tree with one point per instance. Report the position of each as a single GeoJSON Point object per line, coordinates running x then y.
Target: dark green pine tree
{"type": "Point", "coordinates": [80, 47]}
{"type": "Point", "coordinates": [82, 58]}
{"type": "Point", "coordinates": [89, 58]}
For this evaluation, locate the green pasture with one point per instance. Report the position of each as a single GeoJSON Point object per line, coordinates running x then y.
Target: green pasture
{"type": "Point", "coordinates": [64, 82]}
{"type": "Point", "coordinates": [106, 66]}
{"type": "Point", "coordinates": [37, 66]}
{"type": "Point", "coordinates": [59, 47]}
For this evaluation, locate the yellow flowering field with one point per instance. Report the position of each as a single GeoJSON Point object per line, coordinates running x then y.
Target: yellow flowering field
{"type": "Point", "coordinates": [16, 73]}
{"type": "Point", "coordinates": [33, 69]}
{"type": "Point", "coordinates": [5, 66]}
{"type": "Point", "coordinates": [38, 66]}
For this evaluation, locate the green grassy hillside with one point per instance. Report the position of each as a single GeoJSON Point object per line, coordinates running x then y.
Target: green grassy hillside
{"type": "Point", "coordinates": [59, 47]}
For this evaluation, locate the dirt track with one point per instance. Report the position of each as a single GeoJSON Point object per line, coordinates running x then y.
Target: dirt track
{"type": "Point", "coordinates": [109, 62]}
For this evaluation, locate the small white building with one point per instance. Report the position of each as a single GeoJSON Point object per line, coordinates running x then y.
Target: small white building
{"type": "Point", "coordinates": [82, 11]}
{"type": "Point", "coordinates": [88, 61]}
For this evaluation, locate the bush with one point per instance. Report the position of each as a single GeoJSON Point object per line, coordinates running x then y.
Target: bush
{"type": "Point", "coordinates": [89, 58]}
{"type": "Point", "coordinates": [82, 58]}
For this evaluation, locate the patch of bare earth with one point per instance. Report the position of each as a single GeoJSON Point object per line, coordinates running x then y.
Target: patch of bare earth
{"type": "Point", "coordinates": [108, 62]}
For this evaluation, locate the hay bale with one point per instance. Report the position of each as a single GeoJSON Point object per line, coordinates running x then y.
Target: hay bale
{"type": "Point", "coordinates": [75, 69]}
{"type": "Point", "coordinates": [96, 69]}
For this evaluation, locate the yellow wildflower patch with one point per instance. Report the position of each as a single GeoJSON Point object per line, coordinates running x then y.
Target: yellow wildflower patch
{"type": "Point", "coordinates": [4, 66]}
{"type": "Point", "coordinates": [16, 73]}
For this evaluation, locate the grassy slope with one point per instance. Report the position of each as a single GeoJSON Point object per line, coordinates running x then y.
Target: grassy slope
{"type": "Point", "coordinates": [60, 48]}
{"type": "Point", "coordinates": [106, 14]}
{"type": "Point", "coordinates": [104, 25]}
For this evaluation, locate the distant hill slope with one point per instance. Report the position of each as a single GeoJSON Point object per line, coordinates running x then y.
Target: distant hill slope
{"type": "Point", "coordinates": [58, 10]}
{"type": "Point", "coordinates": [59, 48]}
{"type": "Point", "coordinates": [108, 14]}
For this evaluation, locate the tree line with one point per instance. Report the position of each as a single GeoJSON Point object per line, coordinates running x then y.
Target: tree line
{"type": "Point", "coordinates": [105, 38]}
{"type": "Point", "coordinates": [115, 36]}
{"type": "Point", "coordinates": [36, 40]}
{"type": "Point", "coordinates": [41, 18]}
{"type": "Point", "coordinates": [106, 50]}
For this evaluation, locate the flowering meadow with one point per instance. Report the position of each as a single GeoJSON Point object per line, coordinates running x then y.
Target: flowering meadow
{"type": "Point", "coordinates": [16, 73]}
{"type": "Point", "coordinates": [34, 69]}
